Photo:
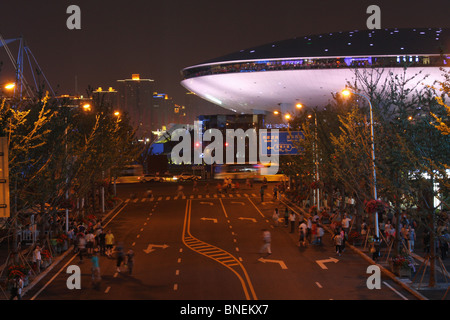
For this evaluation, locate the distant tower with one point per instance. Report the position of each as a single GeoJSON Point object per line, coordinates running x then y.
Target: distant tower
{"type": "Point", "coordinates": [136, 98]}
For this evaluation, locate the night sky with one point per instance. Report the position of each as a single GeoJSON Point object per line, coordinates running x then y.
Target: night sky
{"type": "Point", "coordinates": [159, 38]}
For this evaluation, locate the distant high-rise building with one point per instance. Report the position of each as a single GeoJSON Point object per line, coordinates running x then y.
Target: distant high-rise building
{"type": "Point", "coordinates": [136, 99]}
{"type": "Point", "coordinates": [165, 111]}
{"type": "Point", "coordinates": [107, 97]}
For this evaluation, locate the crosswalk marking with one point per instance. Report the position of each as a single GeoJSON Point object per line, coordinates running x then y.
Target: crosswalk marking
{"type": "Point", "coordinates": [198, 196]}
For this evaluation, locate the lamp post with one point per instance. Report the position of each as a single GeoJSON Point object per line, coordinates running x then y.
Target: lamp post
{"type": "Point", "coordinates": [347, 93]}
{"type": "Point", "coordinates": [316, 161]}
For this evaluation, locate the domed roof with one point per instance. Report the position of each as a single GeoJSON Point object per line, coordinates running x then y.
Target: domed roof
{"type": "Point", "coordinates": [351, 43]}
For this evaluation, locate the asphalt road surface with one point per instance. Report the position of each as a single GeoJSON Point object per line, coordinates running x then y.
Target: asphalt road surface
{"type": "Point", "coordinates": [205, 246]}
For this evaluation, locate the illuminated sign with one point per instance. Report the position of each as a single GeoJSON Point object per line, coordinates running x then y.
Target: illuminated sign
{"type": "Point", "coordinates": [286, 143]}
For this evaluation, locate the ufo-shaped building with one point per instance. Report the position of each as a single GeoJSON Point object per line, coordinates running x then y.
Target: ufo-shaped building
{"type": "Point", "coordinates": [308, 70]}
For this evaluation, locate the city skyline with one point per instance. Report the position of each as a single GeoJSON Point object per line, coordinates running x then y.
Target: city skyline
{"type": "Point", "coordinates": [159, 39]}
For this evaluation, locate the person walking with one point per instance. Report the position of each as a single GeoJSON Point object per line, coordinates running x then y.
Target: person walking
{"type": "Point", "coordinates": [343, 240]}
{"type": "Point", "coordinates": [16, 288]}
{"type": "Point", "coordinates": [96, 276]}
{"type": "Point", "coordinates": [267, 240]}
{"type": "Point", "coordinates": [81, 246]}
{"type": "Point", "coordinates": [286, 217]}
{"type": "Point", "coordinates": [120, 256]}
{"type": "Point", "coordinates": [101, 242]}
{"type": "Point", "coordinates": [302, 229]}
{"type": "Point", "coordinates": [130, 261]}
{"type": "Point", "coordinates": [411, 238]}
{"type": "Point", "coordinates": [195, 186]}
{"type": "Point", "coordinates": [275, 217]}
{"type": "Point", "coordinates": [338, 243]}
{"type": "Point", "coordinates": [180, 191]}
{"type": "Point", "coordinates": [90, 238]}
{"type": "Point", "coordinates": [375, 249]}
{"type": "Point", "coordinates": [292, 218]}
{"type": "Point", "coordinates": [314, 232]}
{"type": "Point", "coordinates": [109, 243]}
{"type": "Point", "coordinates": [308, 229]}
{"type": "Point", "coordinates": [37, 258]}
{"type": "Point", "coordinates": [320, 233]}
{"type": "Point", "coordinates": [346, 224]}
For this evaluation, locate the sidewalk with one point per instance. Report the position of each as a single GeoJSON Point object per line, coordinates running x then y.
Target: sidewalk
{"type": "Point", "coordinates": [4, 251]}
{"type": "Point", "coordinates": [417, 284]}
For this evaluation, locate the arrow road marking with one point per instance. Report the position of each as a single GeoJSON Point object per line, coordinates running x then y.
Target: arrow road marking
{"type": "Point", "coordinates": [251, 219]}
{"type": "Point", "coordinates": [211, 219]}
{"type": "Point", "coordinates": [210, 203]}
{"type": "Point", "coordinates": [321, 263]}
{"type": "Point", "coordinates": [151, 246]}
{"type": "Point", "coordinates": [238, 202]}
{"type": "Point", "coordinates": [280, 262]}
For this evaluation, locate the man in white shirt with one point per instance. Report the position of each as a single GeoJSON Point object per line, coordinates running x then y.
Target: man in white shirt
{"type": "Point", "coordinates": [267, 239]}
{"type": "Point", "coordinates": [346, 223]}
{"type": "Point", "coordinates": [90, 238]}
{"type": "Point", "coordinates": [302, 231]}
{"type": "Point", "coordinates": [37, 258]}
{"type": "Point", "coordinates": [292, 218]}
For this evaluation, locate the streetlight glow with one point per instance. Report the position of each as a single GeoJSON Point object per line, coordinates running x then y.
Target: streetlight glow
{"type": "Point", "coordinates": [117, 113]}
{"type": "Point", "coordinates": [10, 86]}
{"type": "Point", "coordinates": [299, 106]}
{"type": "Point", "coordinates": [346, 93]}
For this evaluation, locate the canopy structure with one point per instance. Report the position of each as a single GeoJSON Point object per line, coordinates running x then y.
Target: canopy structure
{"type": "Point", "coordinates": [309, 70]}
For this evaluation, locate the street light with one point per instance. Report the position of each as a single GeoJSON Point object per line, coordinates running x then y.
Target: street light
{"type": "Point", "coordinates": [316, 159]}
{"type": "Point", "coordinates": [347, 93]}
{"type": "Point", "coordinates": [10, 86]}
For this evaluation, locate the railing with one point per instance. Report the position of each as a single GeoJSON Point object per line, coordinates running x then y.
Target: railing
{"type": "Point", "coordinates": [318, 63]}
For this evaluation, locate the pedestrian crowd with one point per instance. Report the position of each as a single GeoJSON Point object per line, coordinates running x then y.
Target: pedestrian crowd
{"type": "Point", "coordinates": [91, 241]}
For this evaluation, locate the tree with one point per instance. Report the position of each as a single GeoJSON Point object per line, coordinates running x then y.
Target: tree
{"type": "Point", "coordinates": [56, 149]}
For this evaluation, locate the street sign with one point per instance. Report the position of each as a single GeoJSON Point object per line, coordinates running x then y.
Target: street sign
{"type": "Point", "coordinates": [5, 211]}
{"type": "Point", "coordinates": [285, 143]}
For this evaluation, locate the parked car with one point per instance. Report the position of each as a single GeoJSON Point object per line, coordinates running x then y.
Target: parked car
{"type": "Point", "coordinates": [150, 178]}
{"type": "Point", "coordinates": [186, 176]}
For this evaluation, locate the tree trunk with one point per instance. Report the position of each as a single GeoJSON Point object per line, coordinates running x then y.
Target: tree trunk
{"type": "Point", "coordinates": [432, 281]}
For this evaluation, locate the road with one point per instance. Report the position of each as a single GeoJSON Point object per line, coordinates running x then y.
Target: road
{"type": "Point", "coordinates": [205, 246]}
